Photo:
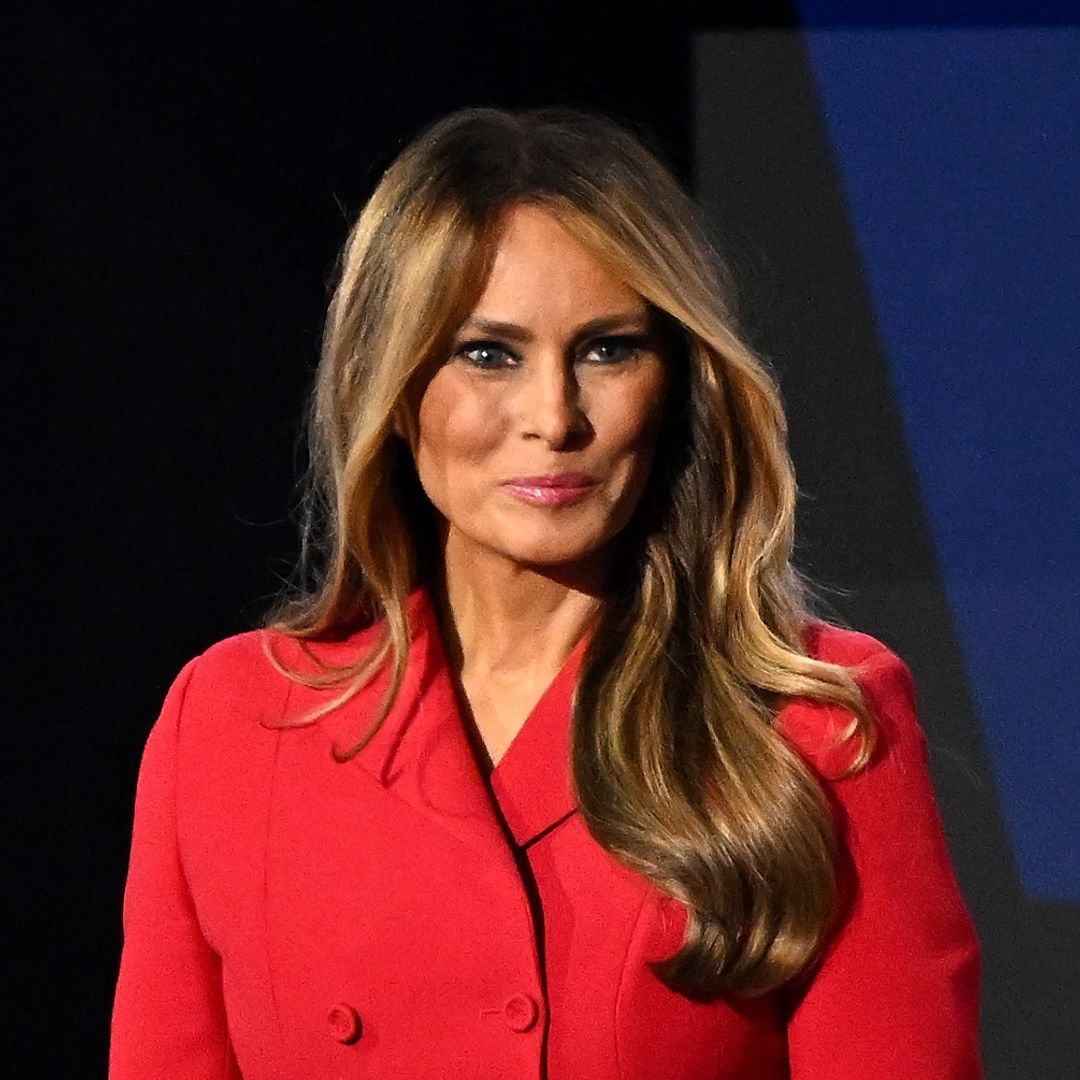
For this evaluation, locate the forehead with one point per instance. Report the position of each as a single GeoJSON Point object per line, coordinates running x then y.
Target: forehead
{"type": "Point", "coordinates": [541, 269]}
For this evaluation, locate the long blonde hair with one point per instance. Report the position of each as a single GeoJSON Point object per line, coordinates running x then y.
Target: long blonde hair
{"type": "Point", "coordinates": [678, 770]}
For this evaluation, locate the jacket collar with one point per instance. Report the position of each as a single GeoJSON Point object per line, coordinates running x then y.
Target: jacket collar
{"type": "Point", "coordinates": [422, 754]}
{"type": "Point", "coordinates": [532, 781]}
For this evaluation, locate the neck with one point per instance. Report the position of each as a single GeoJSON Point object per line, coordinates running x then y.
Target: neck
{"type": "Point", "coordinates": [503, 620]}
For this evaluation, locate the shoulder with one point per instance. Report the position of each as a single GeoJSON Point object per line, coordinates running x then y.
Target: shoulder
{"type": "Point", "coordinates": [817, 729]}
{"type": "Point", "coordinates": [232, 695]}
{"type": "Point", "coordinates": [239, 673]}
{"type": "Point", "coordinates": [839, 645]}
{"type": "Point", "coordinates": [237, 670]}
{"type": "Point", "coordinates": [219, 705]}
{"type": "Point", "coordinates": [883, 675]}
{"type": "Point", "coordinates": [885, 679]}
{"type": "Point", "coordinates": [224, 713]}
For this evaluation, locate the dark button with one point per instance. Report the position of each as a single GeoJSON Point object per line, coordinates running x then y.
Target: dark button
{"type": "Point", "coordinates": [344, 1023]}
{"type": "Point", "coordinates": [520, 1012]}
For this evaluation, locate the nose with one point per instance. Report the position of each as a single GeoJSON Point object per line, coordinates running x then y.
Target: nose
{"type": "Point", "coordinates": [550, 405]}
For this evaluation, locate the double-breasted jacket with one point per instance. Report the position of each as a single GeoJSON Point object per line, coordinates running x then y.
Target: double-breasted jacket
{"type": "Point", "coordinates": [400, 915]}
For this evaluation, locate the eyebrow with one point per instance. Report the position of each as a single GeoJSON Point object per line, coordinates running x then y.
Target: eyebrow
{"type": "Point", "coordinates": [625, 320]}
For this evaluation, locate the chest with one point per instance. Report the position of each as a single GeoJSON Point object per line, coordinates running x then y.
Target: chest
{"type": "Point", "coordinates": [493, 716]}
{"type": "Point", "coordinates": [352, 907]}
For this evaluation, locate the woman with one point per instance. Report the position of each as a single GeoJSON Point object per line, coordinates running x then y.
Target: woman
{"type": "Point", "coordinates": [549, 771]}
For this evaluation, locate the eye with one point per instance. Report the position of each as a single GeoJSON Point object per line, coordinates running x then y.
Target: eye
{"type": "Point", "coordinates": [486, 355]}
{"type": "Point", "coordinates": [615, 350]}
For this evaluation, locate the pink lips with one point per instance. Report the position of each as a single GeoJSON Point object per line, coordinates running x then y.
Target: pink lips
{"type": "Point", "coordinates": [559, 489]}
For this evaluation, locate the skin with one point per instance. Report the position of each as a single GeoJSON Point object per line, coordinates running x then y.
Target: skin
{"type": "Point", "coordinates": [522, 583]}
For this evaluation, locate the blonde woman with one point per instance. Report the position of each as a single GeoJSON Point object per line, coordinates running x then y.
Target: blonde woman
{"type": "Point", "coordinates": [547, 769]}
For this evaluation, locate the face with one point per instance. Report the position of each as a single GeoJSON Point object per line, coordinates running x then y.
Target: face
{"type": "Point", "coordinates": [536, 437]}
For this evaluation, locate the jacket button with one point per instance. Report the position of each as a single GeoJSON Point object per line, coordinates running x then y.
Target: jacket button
{"type": "Point", "coordinates": [344, 1023]}
{"type": "Point", "coordinates": [520, 1012]}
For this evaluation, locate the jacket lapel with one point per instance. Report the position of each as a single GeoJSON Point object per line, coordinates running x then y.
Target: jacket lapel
{"type": "Point", "coordinates": [532, 781]}
{"type": "Point", "coordinates": [421, 752]}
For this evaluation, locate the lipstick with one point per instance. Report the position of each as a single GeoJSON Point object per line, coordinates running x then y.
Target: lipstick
{"type": "Point", "coordinates": [559, 489]}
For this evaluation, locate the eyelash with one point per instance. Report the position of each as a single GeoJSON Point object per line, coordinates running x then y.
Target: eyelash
{"type": "Point", "coordinates": [630, 342]}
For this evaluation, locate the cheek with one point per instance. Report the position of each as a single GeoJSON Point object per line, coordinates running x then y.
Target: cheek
{"type": "Point", "coordinates": [634, 418]}
{"type": "Point", "coordinates": [457, 427]}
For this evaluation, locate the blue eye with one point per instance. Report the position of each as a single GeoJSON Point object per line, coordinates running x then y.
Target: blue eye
{"type": "Point", "coordinates": [606, 351]}
{"type": "Point", "coordinates": [486, 355]}
{"type": "Point", "coordinates": [614, 350]}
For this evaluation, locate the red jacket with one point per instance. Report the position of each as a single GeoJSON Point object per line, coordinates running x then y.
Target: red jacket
{"type": "Point", "coordinates": [290, 917]}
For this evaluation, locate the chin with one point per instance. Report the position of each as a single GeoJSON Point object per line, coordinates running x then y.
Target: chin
{"type": "Point", "coordinates": [554, 553]}
{"type": "Point", "coordinates": [552, 560]}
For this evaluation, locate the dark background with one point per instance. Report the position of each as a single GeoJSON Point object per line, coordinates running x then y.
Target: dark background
{"type": "Point", "coordinates": [186, 176]}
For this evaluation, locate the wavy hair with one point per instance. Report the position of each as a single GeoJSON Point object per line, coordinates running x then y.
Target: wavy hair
{"type": "Point", "coordinates": [678, 769]}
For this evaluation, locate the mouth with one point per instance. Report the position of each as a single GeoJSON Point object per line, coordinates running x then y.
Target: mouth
{"type": "Point", "coordinates": [559, 489]}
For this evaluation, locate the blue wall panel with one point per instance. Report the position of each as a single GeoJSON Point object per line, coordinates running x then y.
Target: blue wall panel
{"type": "Point", "coordinates": [959, 151]}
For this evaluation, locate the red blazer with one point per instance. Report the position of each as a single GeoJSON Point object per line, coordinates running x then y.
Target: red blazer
{"type": "Point", "coordinates": [290, 917]}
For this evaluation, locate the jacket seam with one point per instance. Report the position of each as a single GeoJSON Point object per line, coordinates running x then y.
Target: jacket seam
{"type": "Point", "coordinates": [273, 992]}
{"type": "Point", "coordinates": [622, 980]}
{"type": "Point", "coordinates": [177, 830]}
